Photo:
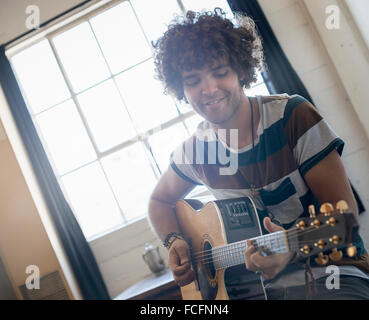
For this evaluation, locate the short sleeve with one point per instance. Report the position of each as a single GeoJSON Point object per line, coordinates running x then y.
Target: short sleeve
{"type": "Point", "coordinates": [309, 136]}
{"type": "Point", "coordinates": [181, 161]}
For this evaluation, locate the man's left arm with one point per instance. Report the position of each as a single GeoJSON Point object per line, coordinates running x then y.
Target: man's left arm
{"type": "Point", "coordinates": [329, 183]}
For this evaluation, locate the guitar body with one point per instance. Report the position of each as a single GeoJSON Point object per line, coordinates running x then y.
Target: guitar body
{"type": "Point", "coordinates": [216, 224]}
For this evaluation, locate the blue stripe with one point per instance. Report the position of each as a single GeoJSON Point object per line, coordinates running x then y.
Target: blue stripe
{"type": "Point", "coordinates": [273, 197]}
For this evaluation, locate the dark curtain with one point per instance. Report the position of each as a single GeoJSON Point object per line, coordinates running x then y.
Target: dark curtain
{"type": "Point", "coordinates": [77, 249]}
{"type": "Point", "coordinates": [279, 77]}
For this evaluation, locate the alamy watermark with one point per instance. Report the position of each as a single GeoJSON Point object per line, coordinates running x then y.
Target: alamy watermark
{"type": "Point", "coordinates": [333, 280]}
{"type": "Point", "coordinates": [209, 152]}
{"type": "Point", "coordinates": [33, 281]}
{"type": "Point", "coordinates": [332, 22]}
{"type": "Point", "coordinates": [33, 18]}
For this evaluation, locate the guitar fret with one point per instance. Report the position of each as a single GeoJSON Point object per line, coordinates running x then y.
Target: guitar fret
{"type": "Point", "coordinates": [233, 253]}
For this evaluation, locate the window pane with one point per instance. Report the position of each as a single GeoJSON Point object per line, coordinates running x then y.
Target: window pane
{"type": "Point", "coordinates": [132, 179]}
{"type": "Point", "coordinates": [164, 142]}
{"type": "Point", "coordinates": [65, 136]}
{"type": "Point", "coordinates": [199, 5]}
{"type": "Point", "coordinates": [81, 57]}
{"type": "Point", "coordinates": [106, 115]}
{"type": "Point", "coordinates": [193, 122]}
{"type": "Point", "coordinates": [120, 37]}
{"type": "Point", "coordinates": [144, 97]}
{"type": "Point", "coordinates": [259, 78]}
{"type": "Point", "coordinates": [92, 200]}
{"type": "Point", "coordinates": [260, 90]}
{"type": "Point", "coordinates": [40, 76]}
{"type": "Point", "coordinates": [155, 15]}
{"type": "Point", "coordinates": [183, 106]}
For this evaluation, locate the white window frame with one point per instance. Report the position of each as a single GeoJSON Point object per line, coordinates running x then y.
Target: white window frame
{"type": "Point", "coordinates": [63, 24]}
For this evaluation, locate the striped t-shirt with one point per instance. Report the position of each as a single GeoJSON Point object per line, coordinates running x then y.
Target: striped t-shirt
{"type": "Point", "coordinates": [291, 138]}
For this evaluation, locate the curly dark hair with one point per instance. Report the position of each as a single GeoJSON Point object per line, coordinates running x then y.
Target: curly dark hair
{"type": "Point", "coordinates": [201, 39]}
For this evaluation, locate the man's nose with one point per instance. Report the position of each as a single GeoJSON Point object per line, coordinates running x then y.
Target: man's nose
{"type": "Point", "coordinates": [209, 87]}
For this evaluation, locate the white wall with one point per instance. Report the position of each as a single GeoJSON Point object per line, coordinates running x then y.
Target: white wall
{"type": "Point", "coordinates": [308, 54]}
{"type": "Point", "coordinates": [359, 9]}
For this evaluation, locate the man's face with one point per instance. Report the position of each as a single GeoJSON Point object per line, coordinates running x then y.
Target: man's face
{"type": "Point", "coordinates": [214, 92]}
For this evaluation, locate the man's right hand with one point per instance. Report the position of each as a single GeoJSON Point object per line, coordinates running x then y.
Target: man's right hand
{"type": "Point", "coordinates": [179, 262]}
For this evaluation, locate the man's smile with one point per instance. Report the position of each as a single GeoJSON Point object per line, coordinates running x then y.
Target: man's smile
{"type": "Point", "coordinates": [213, 103]}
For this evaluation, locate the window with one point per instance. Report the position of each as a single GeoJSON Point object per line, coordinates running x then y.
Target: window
{"type": "Point", "coordinates": [95, 103]}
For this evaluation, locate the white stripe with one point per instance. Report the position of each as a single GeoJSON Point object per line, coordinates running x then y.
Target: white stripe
{"type": "Point", "coordinates": [316, 139]}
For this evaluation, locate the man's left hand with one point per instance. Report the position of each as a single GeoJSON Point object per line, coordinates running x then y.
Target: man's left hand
{"type": "Point", "coordinates": [268, 267]}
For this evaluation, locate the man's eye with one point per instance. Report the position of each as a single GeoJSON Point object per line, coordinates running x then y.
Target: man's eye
{"type": "Point", "coordinates": [221, 74]}
{"type": "Point", "coordinates": [191, 83]}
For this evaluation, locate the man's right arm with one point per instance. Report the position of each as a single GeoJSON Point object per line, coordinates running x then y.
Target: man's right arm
{"type": "Point", "coordinates": [167, 192]}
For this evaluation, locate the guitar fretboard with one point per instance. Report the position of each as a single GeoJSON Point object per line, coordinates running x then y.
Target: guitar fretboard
{"type": "Point", "coordinates": [233, 254]}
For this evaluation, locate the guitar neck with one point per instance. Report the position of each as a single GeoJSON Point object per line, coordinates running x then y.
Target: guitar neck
{"type": "Point", "coordinates": [233, 254]}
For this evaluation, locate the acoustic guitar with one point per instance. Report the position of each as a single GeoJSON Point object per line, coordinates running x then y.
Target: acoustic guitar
{"type": "Point", "coordinates": [217, 233]}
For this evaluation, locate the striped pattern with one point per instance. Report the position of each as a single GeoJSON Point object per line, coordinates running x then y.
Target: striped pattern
{"type": "Point", "coordinates": [292, 138]}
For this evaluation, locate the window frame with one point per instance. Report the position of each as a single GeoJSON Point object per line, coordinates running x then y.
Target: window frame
{"type": "Point", "coordinates": [62, 25]}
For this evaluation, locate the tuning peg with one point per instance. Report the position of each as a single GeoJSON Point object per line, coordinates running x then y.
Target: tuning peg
{"type": "Point", "coordinates": [305, 249]}
{"type": "Point", "coordinates": [322, 259]}
{"type": "Point", "coordinates": [342, 206]}
{"type": "Point", "coordinates": [336, 255]}
{"type": "Point", "coordinates": [312, 211]}
{"type": "Point", "coordinates": [320, 244]}
{"type": "Point", "coordinates": [335, 239]}
{"type": "Point", "coordinates": [301, 224]}
{"type": "Point", "coordinates": [315, 223]}
{"type": "Point", "coordinates": [331, 221]}
{"type": "Point", "coordinates": [351, 250]}
{"type": "Point", "coordinates": [326, 209]}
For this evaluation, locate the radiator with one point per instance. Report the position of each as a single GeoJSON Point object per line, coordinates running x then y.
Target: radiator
{"type": "Point", "coordinates": [51, 288]}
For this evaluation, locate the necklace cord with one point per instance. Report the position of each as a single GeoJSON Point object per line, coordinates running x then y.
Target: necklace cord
{"type": "Point", "coordinates": [252, 122]}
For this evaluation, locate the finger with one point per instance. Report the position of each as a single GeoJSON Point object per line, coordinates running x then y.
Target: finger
{"type": "Point", "coordinates": [259, 261]}
{"type": "Point", "coordinates": [181, 270]}
{"type": "Point", "coordinates": [185, 278]}
{"type": "Point", "coordinates": [270, 226]}
{"type": "Point", "coordinates": [183, 254]}
{"type": "Point", "coordinates": [178, 255]}
{"type": "Point", "coordinates": [247, 255]}
{"type": "Point", "coordinates": [173, 258]}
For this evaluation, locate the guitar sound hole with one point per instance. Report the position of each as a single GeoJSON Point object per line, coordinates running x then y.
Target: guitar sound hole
{"type": "Point", "coordinates": [208, 260]}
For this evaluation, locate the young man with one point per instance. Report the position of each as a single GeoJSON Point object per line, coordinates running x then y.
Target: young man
{"type": "Point", "coordinates": [287, 156]}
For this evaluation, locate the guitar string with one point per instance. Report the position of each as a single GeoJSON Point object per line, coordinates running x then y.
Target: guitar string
{"type": "Point", "coordinates": [291, 234]}
{"type": "Point", "coordinates": [235, 247]}
{"type": "Point", "coordinates": [242, 245]}
{"type": "Point", "coordinates": [236, 252]}
{"type": "Point", "coordinates": [231, 258]}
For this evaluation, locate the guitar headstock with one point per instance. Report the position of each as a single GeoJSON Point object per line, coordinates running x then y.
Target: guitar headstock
{"type": "Point", "coordinates": [330, 230]}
